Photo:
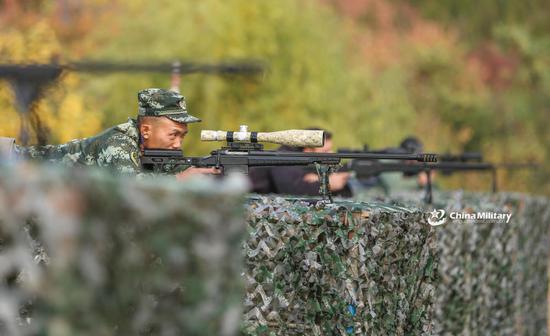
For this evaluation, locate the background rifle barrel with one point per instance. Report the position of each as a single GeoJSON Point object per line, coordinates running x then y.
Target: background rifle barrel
{"type": "Point", "coordinates": [517, 165]}
{"type": "Point", "coordinates": [457, 166]}
{"type": "Point", "coordinates": [463, 157]}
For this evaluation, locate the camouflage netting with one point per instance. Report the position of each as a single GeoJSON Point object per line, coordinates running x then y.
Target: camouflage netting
{"type": "Point", "coordinates": [118, 256]}
{"type": "Point", "coordinates": [337, 269]}
{"type": "Point", "coordinates": [494, 275]}
{"type": "Point", "coordinates": [375, 269]}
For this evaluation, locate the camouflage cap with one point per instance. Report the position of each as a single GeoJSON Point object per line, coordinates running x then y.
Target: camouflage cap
{"type": "Point", "coordinates": [159, 102]}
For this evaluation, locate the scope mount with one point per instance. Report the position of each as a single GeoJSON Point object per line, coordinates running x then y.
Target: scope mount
{"type": "Point", "coordinates": [243, 146]}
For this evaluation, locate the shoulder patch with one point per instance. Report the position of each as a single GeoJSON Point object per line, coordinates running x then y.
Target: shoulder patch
{"type": "Point", "coordinates": [135, 158]}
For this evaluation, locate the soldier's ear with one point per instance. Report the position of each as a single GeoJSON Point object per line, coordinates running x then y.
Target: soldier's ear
{"type": "Point", "coordinates": [145, 130]}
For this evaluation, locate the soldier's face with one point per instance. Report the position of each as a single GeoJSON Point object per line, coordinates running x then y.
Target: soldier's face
{"type": "Point", "coordinates": [164, 133]}
{"type": "Point", "coordinates": [327, 148]}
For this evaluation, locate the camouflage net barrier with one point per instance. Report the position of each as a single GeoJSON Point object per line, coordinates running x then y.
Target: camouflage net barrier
{"type": "Point", "coordinates": [84, 253]}
{"type": "Point", "coordinates": [116, 256]}
{"type": "Point", "coordinates": [342, 268]}
{"type": "Point", "coordinates": [375, 268]}
{"type": "Point", "coordinates": [493, 275]}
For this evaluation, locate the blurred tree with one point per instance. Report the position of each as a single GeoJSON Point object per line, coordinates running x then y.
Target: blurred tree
{"type": "Point", "coordinates": [479, 20]}
{"type": "Point", "coordinates": [469, 90]}
{"type": "Point", "coordinates": [28, 34]}
{"type": "Point", "coordinates": [508, 42]}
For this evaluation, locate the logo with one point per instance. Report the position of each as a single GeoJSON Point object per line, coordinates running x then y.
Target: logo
{"type": "Point", "coordinates": [437, 217]}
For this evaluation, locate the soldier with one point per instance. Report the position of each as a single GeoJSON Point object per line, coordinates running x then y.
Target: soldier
{"type": "Point", "coordinates": [299, 180]}
{"type": "Point", "coordinates": [391, 182]}
{"type": "Point", "coordinates": [161, 124]}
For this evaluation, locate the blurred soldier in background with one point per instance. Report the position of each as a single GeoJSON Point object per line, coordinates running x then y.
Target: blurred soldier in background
{"type": "Point", "coordinates": [161, 124]}
{"type": "Point", "coordinates": [395, 181]}
{"type": "Point", "coordinates": [298, 180]}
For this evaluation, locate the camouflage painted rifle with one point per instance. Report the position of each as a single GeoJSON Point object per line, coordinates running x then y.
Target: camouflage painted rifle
{"type": "Point", "coordinates": [244, 150]}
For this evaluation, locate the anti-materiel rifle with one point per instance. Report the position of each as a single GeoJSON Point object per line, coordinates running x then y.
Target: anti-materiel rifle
{"type": "Point", "coordinates": [244, 150]}
{"type": "Point", "coordinates": [447, 164]}
{"type": "Point", "coordinates": [364, 169]}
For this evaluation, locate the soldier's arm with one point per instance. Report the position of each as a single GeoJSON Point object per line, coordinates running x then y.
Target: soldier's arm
{"type": "Point", "coordinates": [290, 180]}
{"type": "Point", "coordinates": [120, 155]}
{"type": "Point", "coordinates": [69, 153]}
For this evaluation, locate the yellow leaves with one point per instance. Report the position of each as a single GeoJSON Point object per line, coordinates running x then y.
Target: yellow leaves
{"type": "Point", "coordinates": [64, 112]}
{"type": "Point", "coordinates": [70, 121]}
{"type": "Point", "coordinates": [37, 44]}
{"type": "Point", "coordinates": [10, 119]}
{"type": "Point", "coordinates": [12, 46]}
{"type": "Point", "coordinates": [464, 135]}
{"type": "Point", "coordinates": [61, 109]}
{"type": "Point", "coordinates": [65, 116]}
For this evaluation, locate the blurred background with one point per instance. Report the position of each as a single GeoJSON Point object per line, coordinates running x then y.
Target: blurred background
{"type": "Point", "coordinates": [460, 75]}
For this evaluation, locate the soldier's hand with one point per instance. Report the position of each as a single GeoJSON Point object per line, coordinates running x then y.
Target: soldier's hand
{"type": "Point", "coordinates": [192, 171]}
{"type": "Point", "coordinates": [311, 178]}
{"type": "Point", "coordinates": [422, 178]}
{"type": "Point", "coordinates": [337, 181]}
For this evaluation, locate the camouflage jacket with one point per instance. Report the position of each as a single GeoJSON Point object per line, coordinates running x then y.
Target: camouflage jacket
{"type": "Point", "coordinates": [117, 148]}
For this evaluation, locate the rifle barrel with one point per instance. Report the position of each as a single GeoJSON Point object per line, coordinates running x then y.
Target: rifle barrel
{"type": "Point", "coordinates": [423, 157]}
{"type": "Point", "coordinates": [367, 169]}
{"type": "Point", "coordinates": [517, 165]}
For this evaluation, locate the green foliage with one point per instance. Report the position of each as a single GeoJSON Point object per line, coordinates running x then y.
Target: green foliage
{"type": "Point", "coordinates": [311, 79]}
{"type": "Point", "coordinates": [516, 110]}
{"type": "Point", "coordinates": [477, 19]}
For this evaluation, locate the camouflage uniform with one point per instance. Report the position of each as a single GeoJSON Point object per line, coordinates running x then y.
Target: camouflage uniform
{"type": "Point", "coordinates": [119, 147]}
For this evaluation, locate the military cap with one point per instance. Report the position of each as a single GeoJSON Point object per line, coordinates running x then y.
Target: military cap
{"type": "Point", "coordinates": [159, 102]}
{"type": "Point", "coordinates": [412, 144]}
